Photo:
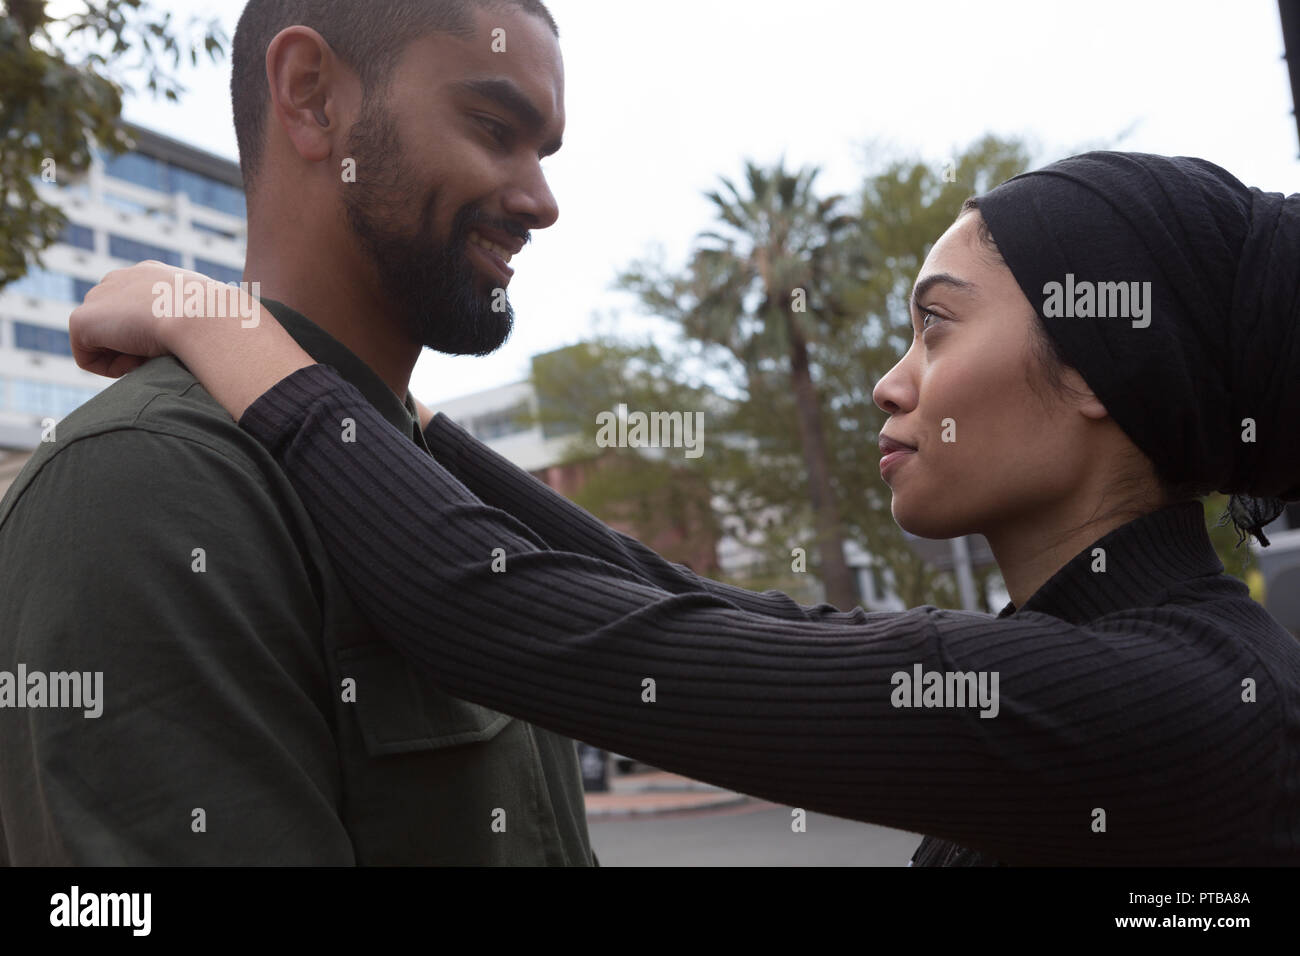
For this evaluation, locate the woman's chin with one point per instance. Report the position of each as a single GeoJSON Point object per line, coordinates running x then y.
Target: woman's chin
{"type": "Point", "coordinates": [924, 523]}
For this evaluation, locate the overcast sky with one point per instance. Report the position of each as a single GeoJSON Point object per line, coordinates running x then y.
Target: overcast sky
{"type": "Point", "coordinates": [664, 97]}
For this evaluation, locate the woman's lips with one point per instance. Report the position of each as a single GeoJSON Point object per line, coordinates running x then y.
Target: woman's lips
{"type": "Point", "coordinates": [892, 450]}
{"type": "Point", "coordinates": [893, 457]}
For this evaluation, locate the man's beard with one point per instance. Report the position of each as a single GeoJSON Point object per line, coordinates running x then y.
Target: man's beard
{"type": "Point", "coordinates": [433, 286]}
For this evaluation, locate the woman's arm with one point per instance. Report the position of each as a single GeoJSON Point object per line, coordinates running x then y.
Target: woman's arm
{"type": "Point", "coordinates": [564, 526]}
{"type": "Point", "coordinates": [853, 719]}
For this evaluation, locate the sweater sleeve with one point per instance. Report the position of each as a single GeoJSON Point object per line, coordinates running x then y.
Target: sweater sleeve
{"type": "Point", "coordinates": [1006, 736]}
{"type": "Point", "coordinates": [564, 526]}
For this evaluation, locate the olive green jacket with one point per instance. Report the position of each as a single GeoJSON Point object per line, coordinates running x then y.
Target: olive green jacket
{"type": "Point", "coordinates": [249, 714]}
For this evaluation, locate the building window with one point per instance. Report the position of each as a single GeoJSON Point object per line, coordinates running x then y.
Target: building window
{"type": "Point", "coordinates": [83, 237]}
{"type": "Point", "coordinates": [39, 338]}
{"type": "Point", "coordinates": [552, 428]}
{"type": "Point", "coordinates": [163, 177]}
{"type": "Point", "coordinates": [203, 227]}
{"type": "Point", "coordinates": [139, 169]}
{"type": "Point", "coordinates": [493, 425]}
{"type": "Point", "coordinates": [209, 192]}
{"type": "Point", "coordinates": [123, 204]}
{"type": "Point", "coordinates": [55, 286]}
{"type": "Point", "coordinates": [47, 398]}
{"type": "Point", "coordinates": [78, 189]}
{"type": "Point", "coordinates": [133, 250]}
{"type": "Point", "coordinates": [217, 271]}
{"type": "Point", "coordinates": [554, 423]}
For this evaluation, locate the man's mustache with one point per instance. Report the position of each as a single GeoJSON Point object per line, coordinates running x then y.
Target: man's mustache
{"type": "Point", "coordinates": [508, 226]}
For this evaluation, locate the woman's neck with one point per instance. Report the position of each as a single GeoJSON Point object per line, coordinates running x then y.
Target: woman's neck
{"type": "Point", "coordinates": [1032, 548]}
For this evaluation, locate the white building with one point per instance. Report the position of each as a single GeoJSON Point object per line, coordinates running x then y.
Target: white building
{"type": "Point", "coordinates": [164, 200]}
{"type": "Point", "coordinates": [504, 418]}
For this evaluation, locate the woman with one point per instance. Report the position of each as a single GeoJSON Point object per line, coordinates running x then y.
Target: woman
{"type": "Point", "coordinates": [1131, 706]}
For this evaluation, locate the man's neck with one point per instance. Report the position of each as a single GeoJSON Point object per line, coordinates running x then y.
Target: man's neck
{"type": "Point", "coordinates": [342, 307]}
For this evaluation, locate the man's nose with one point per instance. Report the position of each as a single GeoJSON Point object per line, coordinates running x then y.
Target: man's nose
{"type": "Point", "coordinates": [533, 203]}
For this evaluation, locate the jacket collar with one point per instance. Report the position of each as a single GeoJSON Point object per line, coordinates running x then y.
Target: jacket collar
{"type": "Point", "coordinates": [324, 348]}
{"type": "Point", "coordinates": [1142, 560]}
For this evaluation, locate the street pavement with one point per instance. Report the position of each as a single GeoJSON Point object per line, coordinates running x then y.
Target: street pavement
{"type": "Point", "coordinates": [660, 819]}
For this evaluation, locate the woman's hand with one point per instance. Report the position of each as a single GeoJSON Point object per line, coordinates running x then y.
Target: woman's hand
{"type": "Point", "coordinates": [123, 321]}
{"type": "Point", "coordinates": [151, 309]}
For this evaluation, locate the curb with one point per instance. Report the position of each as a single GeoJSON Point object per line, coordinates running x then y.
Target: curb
{"type": "Point", "coordinates": [625, 807]}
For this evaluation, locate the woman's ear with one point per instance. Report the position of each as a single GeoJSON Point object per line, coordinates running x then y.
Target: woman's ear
{"type": "Point", "coordinates": [1088, 404]}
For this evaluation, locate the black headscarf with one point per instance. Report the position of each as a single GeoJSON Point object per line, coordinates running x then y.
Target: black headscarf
{"type": "Point", "coordinates": [1220, 341]}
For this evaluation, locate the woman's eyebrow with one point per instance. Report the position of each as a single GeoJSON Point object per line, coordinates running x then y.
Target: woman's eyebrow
{"type": "Point", "coordinates": [941, 278]}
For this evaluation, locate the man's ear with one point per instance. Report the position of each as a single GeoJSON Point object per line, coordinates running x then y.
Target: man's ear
{"type": "Point", "coordinates": [1083, 398]}
{"type": "Point", "coordinates": [309, 89]}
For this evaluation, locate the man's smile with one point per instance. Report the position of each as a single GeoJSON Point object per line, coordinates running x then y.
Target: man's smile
{"type": "Point", "coordinates": [502, 251]}
{"type": "Point", "coordinates": [492, 256]}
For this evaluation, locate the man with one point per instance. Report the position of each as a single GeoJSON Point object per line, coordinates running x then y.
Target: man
{"type": "Point", "coordinates": [391, 157]}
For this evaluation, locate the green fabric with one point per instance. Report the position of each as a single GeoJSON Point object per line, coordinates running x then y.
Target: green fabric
{"type": "Point", "coordinates": [223, 688]}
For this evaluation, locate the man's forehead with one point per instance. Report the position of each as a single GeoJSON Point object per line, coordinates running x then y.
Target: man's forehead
{"type": "Point", "coordinates": [507, 46]}
{"type": "Point", "coordinates": [511, 42]}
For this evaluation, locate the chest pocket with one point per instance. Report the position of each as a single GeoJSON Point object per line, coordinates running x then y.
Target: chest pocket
{"type": "Point", "coordinates": [399, 710]}
{"type": "Point", "coordinates": [423, 772]}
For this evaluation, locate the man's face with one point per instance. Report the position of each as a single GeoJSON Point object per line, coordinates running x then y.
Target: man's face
{"type": "Point", "coordinates": [448, 175]}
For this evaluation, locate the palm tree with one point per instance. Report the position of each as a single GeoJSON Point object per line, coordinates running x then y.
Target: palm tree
{"type": "Point", "coordinates": [763, 284]}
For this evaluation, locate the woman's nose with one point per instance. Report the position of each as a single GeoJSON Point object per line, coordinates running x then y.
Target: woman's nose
{"type": "Point", "coordinates": [895, 393]}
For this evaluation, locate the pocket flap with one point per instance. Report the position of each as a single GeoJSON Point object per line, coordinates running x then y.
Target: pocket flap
{"type": "Point", "coordinates": [399, 710]}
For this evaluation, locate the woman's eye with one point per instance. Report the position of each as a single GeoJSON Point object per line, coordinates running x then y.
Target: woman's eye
{"type": "Point", "coordinates": [928, 315]}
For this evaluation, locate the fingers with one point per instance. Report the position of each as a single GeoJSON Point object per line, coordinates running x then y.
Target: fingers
{"type": "Point", "coordinates": [106, 362]}
{"type": "Point", "coordinates": [114, 329]}
{"type": "Point", "coordinates": [121, 364]}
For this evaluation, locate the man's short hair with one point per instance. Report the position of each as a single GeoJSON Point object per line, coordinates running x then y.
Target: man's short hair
{"type": "Point", "coordinates": [368, 35]}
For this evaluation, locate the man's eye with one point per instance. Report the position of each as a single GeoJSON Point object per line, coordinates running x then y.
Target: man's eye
{"type": "Point", "coordinates": [499, 131]}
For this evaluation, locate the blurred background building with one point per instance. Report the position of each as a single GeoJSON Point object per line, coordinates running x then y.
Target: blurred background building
{"type": "Point", "coordinates": [164, 200]}
{"type": "Point", "coordinates": [506, 420]}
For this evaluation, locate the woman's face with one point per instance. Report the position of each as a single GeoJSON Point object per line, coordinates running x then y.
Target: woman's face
{"type": "Point", "coordinates": [990, 449]}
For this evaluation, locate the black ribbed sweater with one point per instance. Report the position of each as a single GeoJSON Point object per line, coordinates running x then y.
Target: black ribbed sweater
{"type": "Point", "coordinates": [1147, 714]}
